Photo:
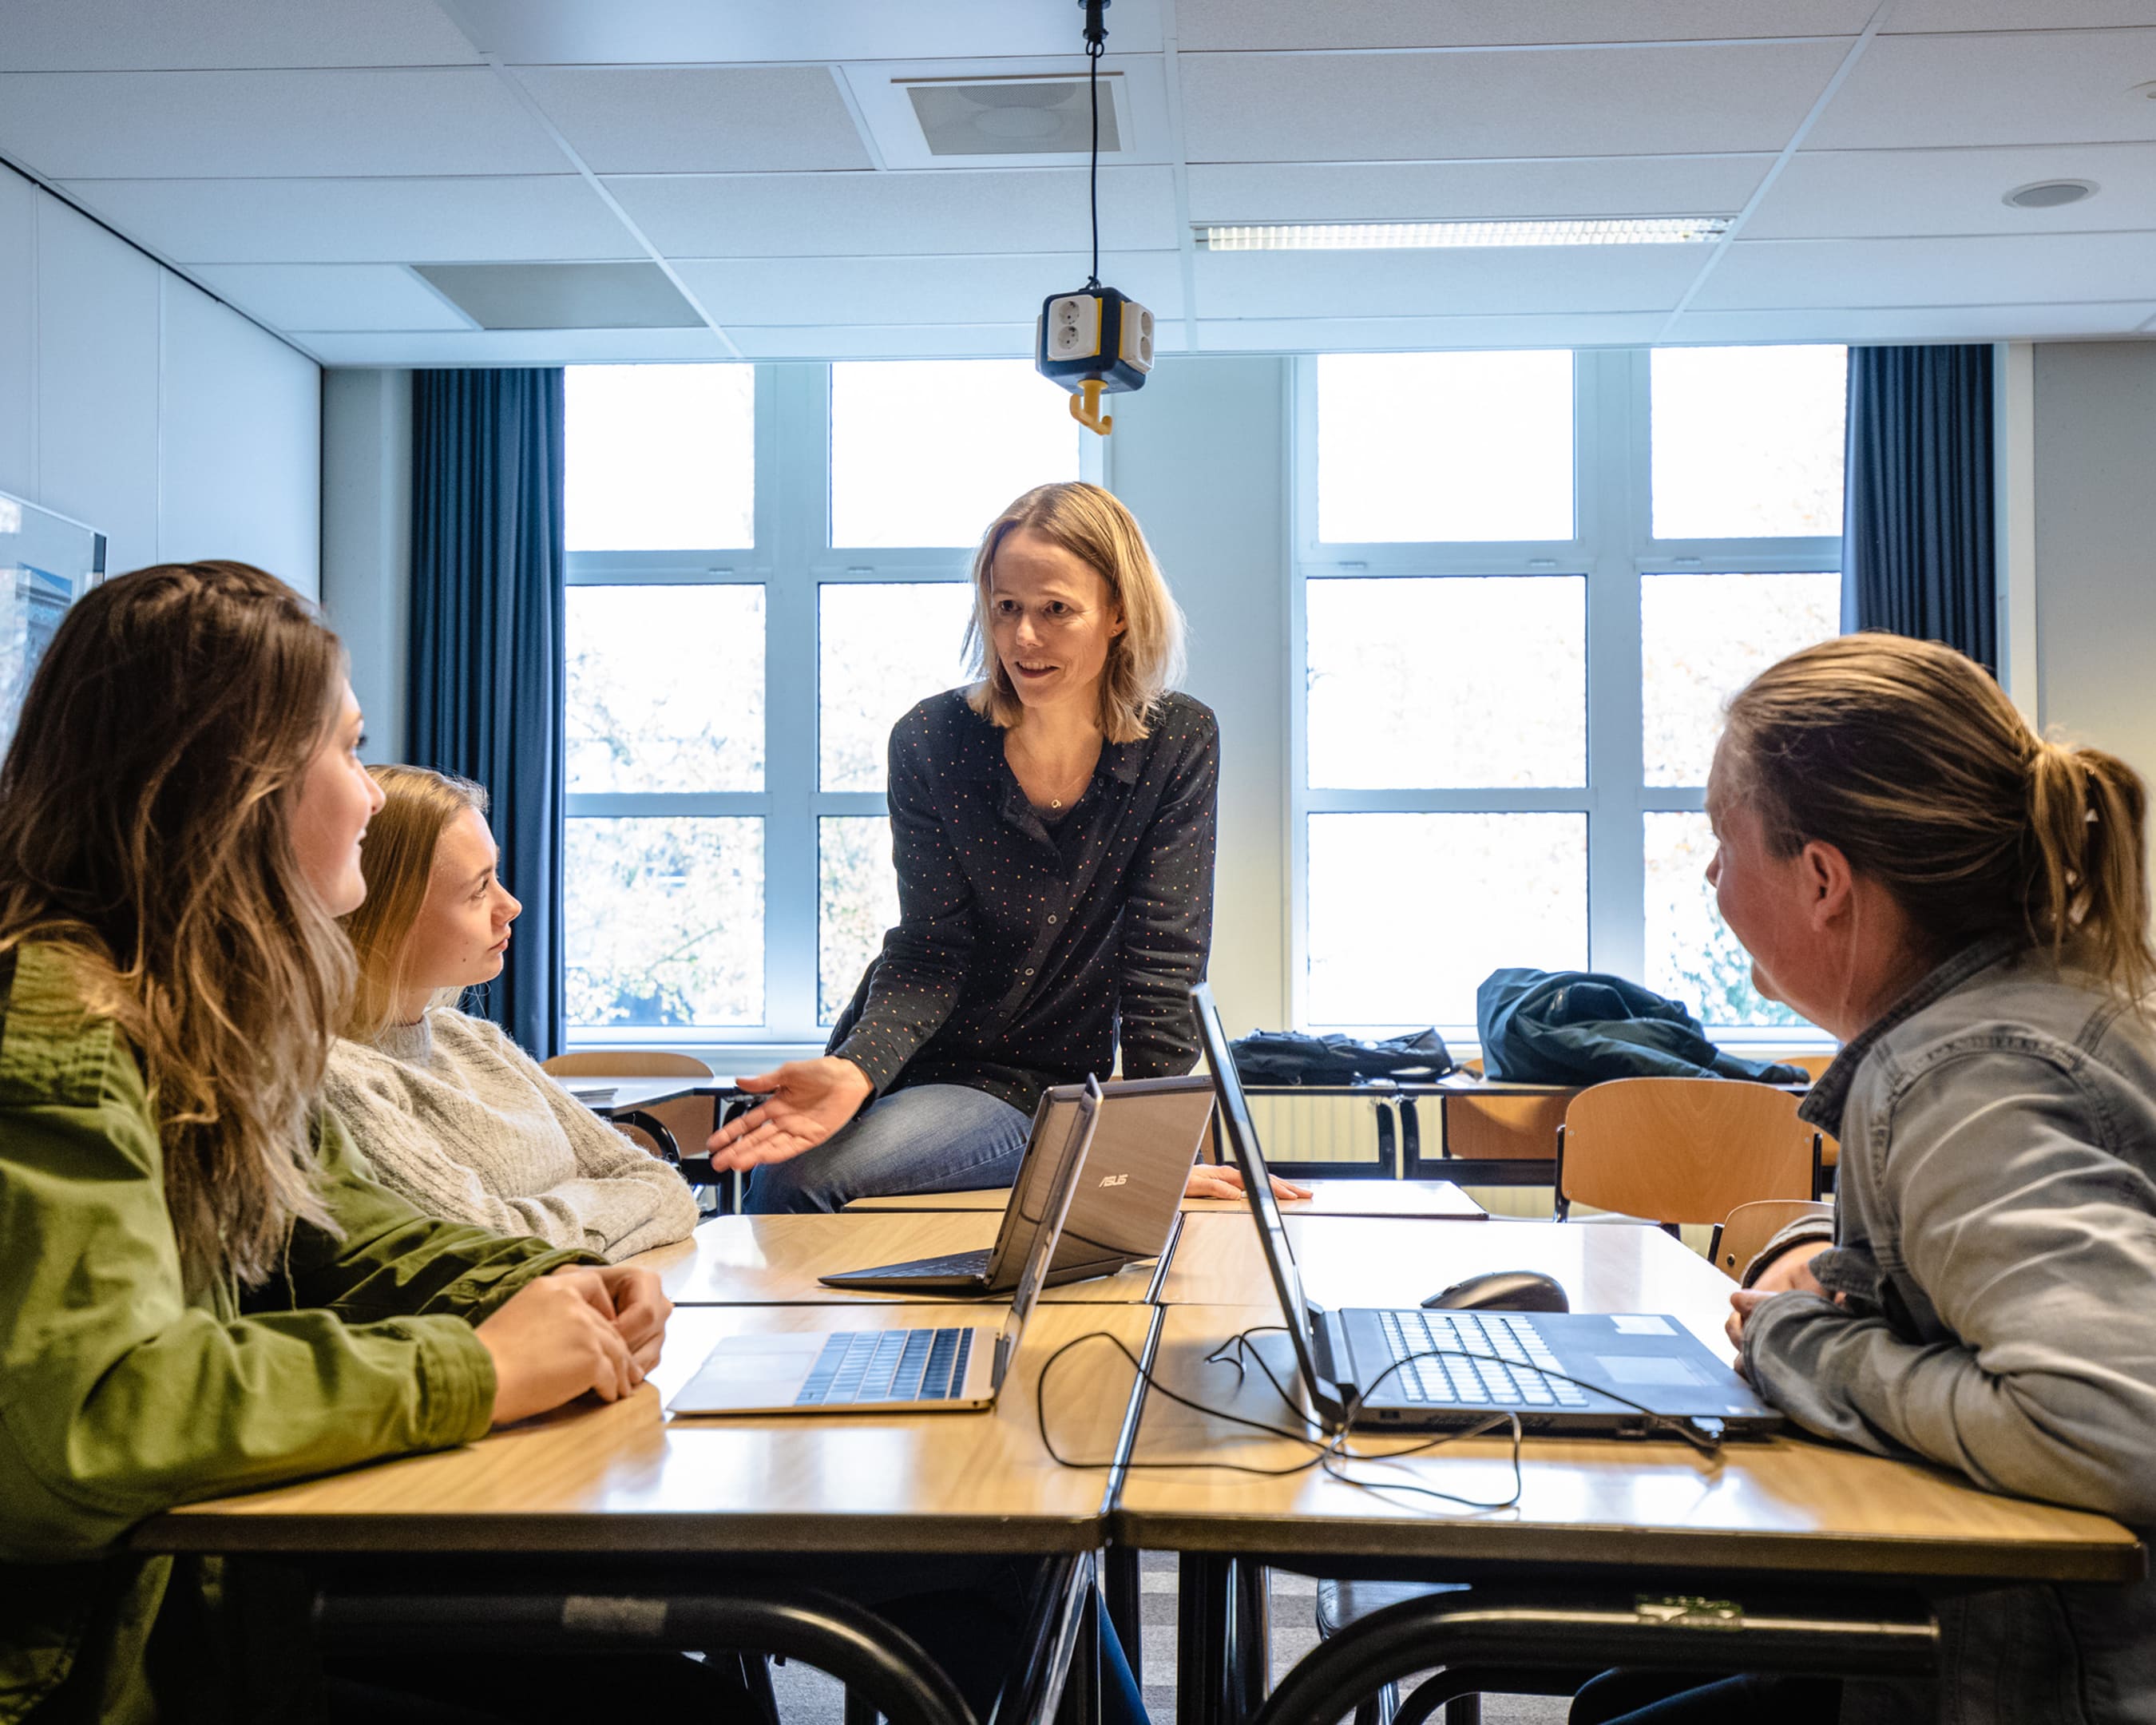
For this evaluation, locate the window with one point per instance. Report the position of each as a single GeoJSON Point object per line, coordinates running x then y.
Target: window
{"type": "Point", "coordinates": [1529, 582]}
{"type": "Point", "coordinates": [769, 566]}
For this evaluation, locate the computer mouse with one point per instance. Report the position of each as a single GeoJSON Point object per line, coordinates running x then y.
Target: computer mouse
{"type": "Point", "coordinates": [1503, 1290]}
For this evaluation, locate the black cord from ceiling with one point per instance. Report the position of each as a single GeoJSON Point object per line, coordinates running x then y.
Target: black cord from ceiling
{"type": "Point", "coordinates": [1096, 44]}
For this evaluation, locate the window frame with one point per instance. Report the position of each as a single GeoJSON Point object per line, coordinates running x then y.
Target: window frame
{"type": "Point", "coordinates": [792, 561]}
{"type": "Point", "coordinates": [1614, 548]}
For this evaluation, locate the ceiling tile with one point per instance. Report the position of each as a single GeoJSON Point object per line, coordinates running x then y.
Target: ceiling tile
{"type": "Point", "coordinates": [2030, 269]}
{"type": "Point", "coordinates": [331, 297]}
{"type": "Point", "coordinates": [895, 214]}
{"type": "Point", "coordinates": [150, 35]}
{"type": "Point", "coordinates": [664, 120]}
{"type": "Point", "coordinates": [942, 341]}
{"type": "Point", "coordinates": [2061, 86]}
{"type": "Point", "coordinates": [1427, 284]}
{"type": "Point", "coordinates": [388, 221]}
{"type": "Point", "coordinates": [1213, 24]}
{"type": "Point", "coordinates": [1827, 193]}
{"type": "Point", "coordinates": [513, 347]}
{"type": "Point", "coordinates": [1900, 325]}
{"type": "Point", "coordinates": [1420, 335]}
{"type": "Point", "coordinates": [1920, 15]}
{"type": "Point", "coordinates": [655, 32]}
{"type": "Point", "coordinates": [155, 125]}
{"type": "Point", "coordinates": [1588, 101]}
{"type": "Point", "coordinates": [919, 290]}
{"type": "Point", "coordinates": [1374, 191]}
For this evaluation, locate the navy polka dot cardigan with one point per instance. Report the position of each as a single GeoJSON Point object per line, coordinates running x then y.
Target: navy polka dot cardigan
{"type": "Point", "coordinates": [1024, 949]}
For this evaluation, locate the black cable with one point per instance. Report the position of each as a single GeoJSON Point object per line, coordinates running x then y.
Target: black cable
{"type": "Point", "coordinates": [1333, 1452]}
{"type": "Point", "coordinates": [1096, 44]}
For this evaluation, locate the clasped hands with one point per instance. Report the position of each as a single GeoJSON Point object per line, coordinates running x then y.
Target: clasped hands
{"type": "Point", "coordinates": [805, 1101]}
{"type": "Point", "coordinates": [584, 1327]}
{"type": "Point", "coordinates": [1789, 1273]}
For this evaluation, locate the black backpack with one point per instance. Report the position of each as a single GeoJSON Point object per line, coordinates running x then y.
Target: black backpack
{"type": "Point", "coordinates": [1277, 1057]}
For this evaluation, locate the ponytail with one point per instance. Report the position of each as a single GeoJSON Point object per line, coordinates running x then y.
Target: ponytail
{"type": "Point", "coordinates": [1911, 760]}
{"type": "Point", "coordinates": [2088, 885]}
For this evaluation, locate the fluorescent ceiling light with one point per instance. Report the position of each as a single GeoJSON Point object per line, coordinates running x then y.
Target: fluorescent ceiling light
{"type": "Point", "coordinates": [1390, 236]}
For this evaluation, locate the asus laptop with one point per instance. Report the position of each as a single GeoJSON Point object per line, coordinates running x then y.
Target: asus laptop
{"type": "Point", "coordinates": [936, 1368]}
{"type": "Point", "coordinates": [1126, 1204]}
{"type": "Point", "coordinates": [1417, 1369]}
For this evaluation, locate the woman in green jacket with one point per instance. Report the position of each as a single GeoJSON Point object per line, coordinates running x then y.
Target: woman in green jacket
{"type": "Point", "coordinates": [201, 1290]}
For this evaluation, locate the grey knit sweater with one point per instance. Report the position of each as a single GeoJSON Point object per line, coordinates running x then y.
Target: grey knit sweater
{"type": "Point", "coordinates": [453, 1114]}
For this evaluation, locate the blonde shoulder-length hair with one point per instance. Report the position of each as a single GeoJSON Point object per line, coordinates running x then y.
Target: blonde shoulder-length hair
{"type": "Point", "coordinates": [1145, 661]}
{"type": "Point", "coordinates": [398, 860]}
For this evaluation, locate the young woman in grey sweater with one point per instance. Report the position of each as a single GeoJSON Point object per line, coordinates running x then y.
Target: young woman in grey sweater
{"type": "Point", "coordinates": [447, 1109]}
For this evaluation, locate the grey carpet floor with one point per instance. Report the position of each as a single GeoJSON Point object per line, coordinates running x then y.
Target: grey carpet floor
{"type": "Point", "coordinates": [809, 1698]}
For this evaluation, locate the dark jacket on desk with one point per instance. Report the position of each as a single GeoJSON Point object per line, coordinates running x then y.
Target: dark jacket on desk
{"type": "Point", "coordinates": [122, 1394]}
{"type": "Point", "coordinates": [1582, 1026]}
{"type": "Point", "coordinates": [1024, 952]}
{"type": "Point", "coordinates": [1995, 1257]}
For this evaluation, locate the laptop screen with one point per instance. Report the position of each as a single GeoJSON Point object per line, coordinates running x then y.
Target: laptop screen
{"type": "Point", "coordinates": [1044, 1200]}
{"type": "Point", "coordinates": [1250, 1160]}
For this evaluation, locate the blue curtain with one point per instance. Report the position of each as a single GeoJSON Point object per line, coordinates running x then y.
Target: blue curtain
{"type": "Point", "coordinates": [488, 565]}
{"type": "Point", "coordinates": [1918, 555]}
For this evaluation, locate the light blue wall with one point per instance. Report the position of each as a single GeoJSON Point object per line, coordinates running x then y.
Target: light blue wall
{"type": "Point", "coordinates": [133, 401]}
{"type": "Point", "coordinates": [366, 541]}
{"type": "Point", "coordinates": [1200, 456]}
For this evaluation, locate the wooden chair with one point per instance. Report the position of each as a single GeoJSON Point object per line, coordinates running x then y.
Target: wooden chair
{"type": "Point", "coordinates": [1737, 1241]}
{"type": "Point", "coordinates": [689, 1121]}
{"type": "Point", "coordinates": [1674, 1150]}
{"type": "Point", "coordinates": [1501, 1129]}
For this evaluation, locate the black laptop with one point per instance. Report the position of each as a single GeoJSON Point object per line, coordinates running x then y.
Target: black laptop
{"type": "Point", "coordinates": [1416, 1369]}
{"type": "Point", "coordinates": [1125, 1207]}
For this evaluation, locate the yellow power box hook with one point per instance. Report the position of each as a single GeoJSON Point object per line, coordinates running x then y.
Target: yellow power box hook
{"type": "Point", "coordinates": [1088, 412]}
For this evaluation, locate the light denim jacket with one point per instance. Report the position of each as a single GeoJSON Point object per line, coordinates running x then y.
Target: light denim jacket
{"type": "Point", "coordinates": [1995, 1251]}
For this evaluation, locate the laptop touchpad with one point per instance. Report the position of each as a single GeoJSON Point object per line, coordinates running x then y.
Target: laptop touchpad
{"type": "Point", "coordinates": [1645, 1368]}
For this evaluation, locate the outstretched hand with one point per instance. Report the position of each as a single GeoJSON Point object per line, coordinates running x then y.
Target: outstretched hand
{"type": "Point", "coordinates": [806, 1101]}
{"type": "Point", "coordinates": [1218, 1180]}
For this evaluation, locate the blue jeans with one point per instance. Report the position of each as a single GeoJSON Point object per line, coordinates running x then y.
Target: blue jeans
{"type": "Point", "coordinates": [935, 1137]}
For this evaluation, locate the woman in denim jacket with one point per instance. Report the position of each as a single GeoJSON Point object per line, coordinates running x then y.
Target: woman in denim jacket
{"type": "Point", "coordinates": [1963, 904]}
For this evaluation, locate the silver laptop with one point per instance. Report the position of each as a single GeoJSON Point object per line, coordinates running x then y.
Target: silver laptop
{"type": "Point", "coordinates": [1415, 1369]}
{"type": "Point", "coordinates": [1125, 1207]}
{"type": "Point", "coordinates": [935, 1369]}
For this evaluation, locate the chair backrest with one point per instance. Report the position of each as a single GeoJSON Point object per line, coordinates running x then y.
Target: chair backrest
{"type": "Point", "coordinates": [1751, 1225]}
{"type": "Point", "coordinates": [627, 1063]}
{"type": "Point", "coordinates": [1682, 1149]}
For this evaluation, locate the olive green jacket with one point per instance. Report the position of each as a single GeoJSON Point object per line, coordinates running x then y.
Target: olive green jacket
{"type": "Point", "coordinates": [121, 1394]}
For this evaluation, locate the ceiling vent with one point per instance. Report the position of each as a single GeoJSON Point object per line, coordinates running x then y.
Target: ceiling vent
{"type": "Point", "coordinates": [562, 296]}
{"type": "Point", "coordinates": [1013, 116]}
{"type": "Point", "coordinates": [2049, 194]}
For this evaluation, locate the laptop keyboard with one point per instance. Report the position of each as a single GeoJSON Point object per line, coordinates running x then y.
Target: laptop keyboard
{"type": "Point", "coordinates": [968, 1263]}
{"type": "Point", "coordinates": [1505, 1378]}
{"type": "Point", "coordinates": [888, 1366]}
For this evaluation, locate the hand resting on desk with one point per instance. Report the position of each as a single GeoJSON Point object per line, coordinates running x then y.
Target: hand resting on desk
{"type": "Point", "coordinates": [1215, 1180]}
{"type": "Point", "coordinates": [1789, 1273]}
{"type": "Point", "coordinates": [579, 1329]}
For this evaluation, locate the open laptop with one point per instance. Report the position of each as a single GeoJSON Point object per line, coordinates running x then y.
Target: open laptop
{"type": "Point", "coordinates": [1124, 1209]}
{"type": "Point", "coordinates": [943, 1367]}
{"type": "Point", "coordinates": [1417, 1369]}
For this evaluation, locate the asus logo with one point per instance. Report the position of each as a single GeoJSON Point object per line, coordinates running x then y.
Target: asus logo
{"type": "Point", "coordinates": [1117, 1180]}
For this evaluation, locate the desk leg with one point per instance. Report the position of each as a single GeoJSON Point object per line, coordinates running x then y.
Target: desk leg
{"type": "Point", "coordinates": [1058, 1678]}
{"type": "Point", "coordinates": [1465, 1633]}
{"type": "Point", "coordinates": [1250, 1674]}
{"type": "Point", "coordinates": [1202, 1638]}
{"type": "Point", "coordinates": [1119, 1577]}
{"type": "Point", "coordinates": [884, 1668]}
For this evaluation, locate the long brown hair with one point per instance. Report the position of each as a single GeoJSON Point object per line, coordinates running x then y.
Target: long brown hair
{"type": "Point", "coordinates": [398, 860]}
{"type": "Point", "coordinates": [1909, 758]}
{"type": "Point", "coordinates": [145, 825]}
{"type": "Point", "coordinates": [1144, 661]}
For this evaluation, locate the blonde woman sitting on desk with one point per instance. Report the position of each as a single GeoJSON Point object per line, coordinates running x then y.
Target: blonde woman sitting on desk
{"type": "Point", "coordinates": [450, 1112]}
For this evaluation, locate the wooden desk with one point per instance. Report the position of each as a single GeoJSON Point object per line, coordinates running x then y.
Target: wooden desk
{"type": "Point", "coordinates": [1327, 1197]}
{"type": "Point", "coordinates": [1368, 1260]}
{"type": "Point", "coordinates": [1596, 1517]}
{"type": "Point", "coordinates": [627, 1479]}
{"type": "Point", "coordinates": [774, 1261]}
